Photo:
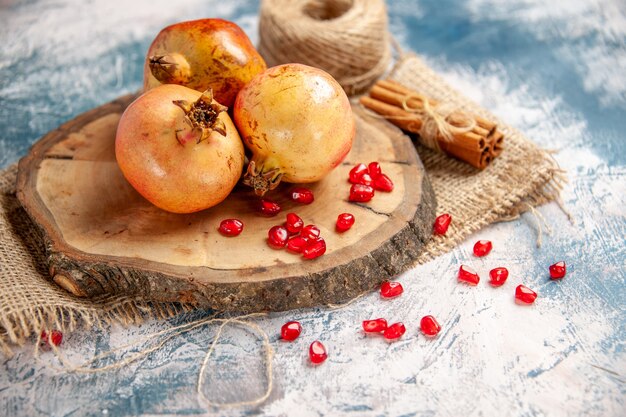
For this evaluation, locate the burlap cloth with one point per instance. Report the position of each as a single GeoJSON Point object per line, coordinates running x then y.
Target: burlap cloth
{"type": "Point", "coordinates": [524, 176]}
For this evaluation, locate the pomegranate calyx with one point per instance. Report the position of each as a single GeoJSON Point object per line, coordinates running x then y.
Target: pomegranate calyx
{"type": "Point", "coordinates": [170, 69]}
{"type": "Point", "coordinates": [261, 181]}
{"type": "Point", "coordinates": [203, 118]}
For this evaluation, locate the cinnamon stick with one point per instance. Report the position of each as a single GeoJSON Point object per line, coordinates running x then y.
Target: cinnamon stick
{"type": "Point", "coordinates": [478, 158]}
{"type": "Point", "coordinates": [497, 142]}
{"type": "Point", "coordinates": [399, 88]}
{"type": "Point", "coordinates": [410, 122]}
{"type": "Point", "coordinates": [407, 109]}
{"type": "Point", "coordinates": [380, 92]}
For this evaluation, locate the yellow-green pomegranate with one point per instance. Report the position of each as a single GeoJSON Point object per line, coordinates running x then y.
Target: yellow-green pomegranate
{"type": "Point", "coordinates": [297, 122]}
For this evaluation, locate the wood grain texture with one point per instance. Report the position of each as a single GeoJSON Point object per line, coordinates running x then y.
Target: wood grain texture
{"type": "Point", "coordinates": [103, 238]}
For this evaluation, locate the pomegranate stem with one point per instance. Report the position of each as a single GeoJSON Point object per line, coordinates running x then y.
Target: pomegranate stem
{"type": "Point", "coordinates": [260, 180]}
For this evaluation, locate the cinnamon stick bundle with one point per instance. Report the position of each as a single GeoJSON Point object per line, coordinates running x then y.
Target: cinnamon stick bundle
{"type": "Point", "coordinates": [476, 143]}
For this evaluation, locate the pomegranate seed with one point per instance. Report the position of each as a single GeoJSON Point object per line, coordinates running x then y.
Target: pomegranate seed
{"type": "Point", "coordinates": [365, 179]}
{"type": "Point", "coordinates": [441, 224]}
{"type": "Point", "coordinates": [55, 338]}
{"type": "Point", "coordinates": [290, 330]}
{"type": "Point", "coordinates": [269, 208]}
{"type": "Point", "coordinates": [525, 295]}
{"type": "Point", "coordinates": [302, 195]}
{"type": "Point", "coordinates": [558, 270]}
{"type": "Point", "coordinates": [361, 193]}
{"type": "Point", "coordinates": [231, 227]}
{"type": "Point", "coordinates": [374, 169]}
{"type": "Point", "coordinates": [374, 326]}
{"type": "Point", "coordinates": [468, 275]}
{"type": "Point", "coordinates": [391, 289]}
{"type": "Point", "coordinates": [344, 222]}
{"type": "Point", "coordinates": [277, 237]}
{"type": "Point", "coordinates": [498, 276]}
{"type": "Point", "coordinates": [394, 331]}
{"type": "Point", "coordinates": [383, 183]}
{"type": "Point", "coordinates": [297, 244]}
{"type": "Point", "coordinates": [429, 326]}
{"type": "Point", "coordinates": [294, 223]}
{"type": "Point", "coordinates": [356, 173]}
{"type": "Point", "coordinates": [317, 352]}
{"type": "Point", "coordinates": [314, 249]}
{"type": "Point", "coordinates": [482, 248]}
{"type": "Point", "coordinates": [310, 231]}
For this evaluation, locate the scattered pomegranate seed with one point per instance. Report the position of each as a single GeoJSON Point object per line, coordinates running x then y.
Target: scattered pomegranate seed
{"type": "Point", "coordinates": [383, 183]}
{"type": "Point", "coordinates": [269, 208]}
{"type": "Point", "coordinates": [317, 352]}
{"type": "Point", "coordinates": [290, 330]}
{"type": "Point", "coordinates": [344, 222]}
{"type": "Point", "coordinates": [310, 231]}
{"type": "Point", "coordinates": [361, 193]}
{"type": "Point", "coordinates": [394, 331]}
{"type": "Point", "coordinates": [525, 295]}
{"type": "Point", "coordinates": [498, 276]}
{"type": "Point", "coordinates": [297, 244]}
{"type": "Point", "coordinates": [429, 326]}
{"type": "Point", "coordinates": [314, 249]}
{"type": "Point", "coordinates": [294, 223]}
{"type": "Point", "coordinates": [482, 248]}
{"type": "Point", "coordinates": [442, 222]}
{"type": "Point", "coordinates": [374, 169]}
{"type": "Point", "coordinates": [55, 338]}
{"type": "Point", "coordinates": [302, 195]}
{"type": "Point", "coordinates": [231, 227]}
{"type": "Point", "coordinates": [277, 237]}
{"type": "Point", "coordinates": [391, 289]}
{"type": "Point", "coordinates": [558, 270]}
{"type": "Point", "coordinates": [356, 173]}
{"type": "Point", "coordinates": [375, 326]}
{"type": "Point", "coordinates": [366, 179]}
{"type": "Point", "coordinates": [467, 274]}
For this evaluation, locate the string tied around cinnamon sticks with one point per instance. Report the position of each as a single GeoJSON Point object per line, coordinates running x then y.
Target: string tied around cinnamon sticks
{"type": "Point", "coordinates": [441, 126]}
{"type": "Point", "coordinates": [442, 121]}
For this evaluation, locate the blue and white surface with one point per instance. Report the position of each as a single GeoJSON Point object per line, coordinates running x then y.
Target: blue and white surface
{"type": "Point", "coordinates": [555, 70]}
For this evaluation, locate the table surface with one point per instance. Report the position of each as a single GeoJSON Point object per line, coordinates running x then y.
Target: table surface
{"type": "Point", "coordinates": [556, 70]}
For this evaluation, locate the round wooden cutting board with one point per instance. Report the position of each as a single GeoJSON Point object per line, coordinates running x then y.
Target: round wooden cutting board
{"type": "Point", "coordinates": [103, 238]}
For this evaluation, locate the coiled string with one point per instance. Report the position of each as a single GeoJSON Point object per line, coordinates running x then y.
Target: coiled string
{"type": "Point", "coordinates": [346, 38]}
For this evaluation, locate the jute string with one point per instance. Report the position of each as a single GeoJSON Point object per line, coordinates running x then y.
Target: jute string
{"type": "Point", "coordinates": [161, 338]}
{"type": "Point", "coordinates": [346, 38]}
{"type": "Point", "coordinates": [442, 121]}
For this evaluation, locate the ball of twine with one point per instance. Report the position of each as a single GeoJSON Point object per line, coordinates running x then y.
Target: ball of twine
{"type": "Point", "coordinates": [346, 38]}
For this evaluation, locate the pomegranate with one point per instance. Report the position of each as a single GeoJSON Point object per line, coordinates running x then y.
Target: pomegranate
{"type": "Point", "coordinates": [298, 123]}
{"type": "Point", "coordinates": [203, 54]}
{"type": "Point", "coordinates": [179, 149]}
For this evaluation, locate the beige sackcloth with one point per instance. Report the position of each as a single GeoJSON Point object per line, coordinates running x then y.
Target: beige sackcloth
{"type": "Point", "coordinates": [523, 177]}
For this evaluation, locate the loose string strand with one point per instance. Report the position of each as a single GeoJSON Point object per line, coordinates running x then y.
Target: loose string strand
{"type": "Point", "coordinates": [269, 353]}
{"type": "Point", "coordinates": [85, 367]}
{"type": "Point", "coordinates": [540, 219]}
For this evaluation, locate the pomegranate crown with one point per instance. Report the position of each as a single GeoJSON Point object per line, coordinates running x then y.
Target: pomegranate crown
{"type": "Point", "coordinates": [202, 116]}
